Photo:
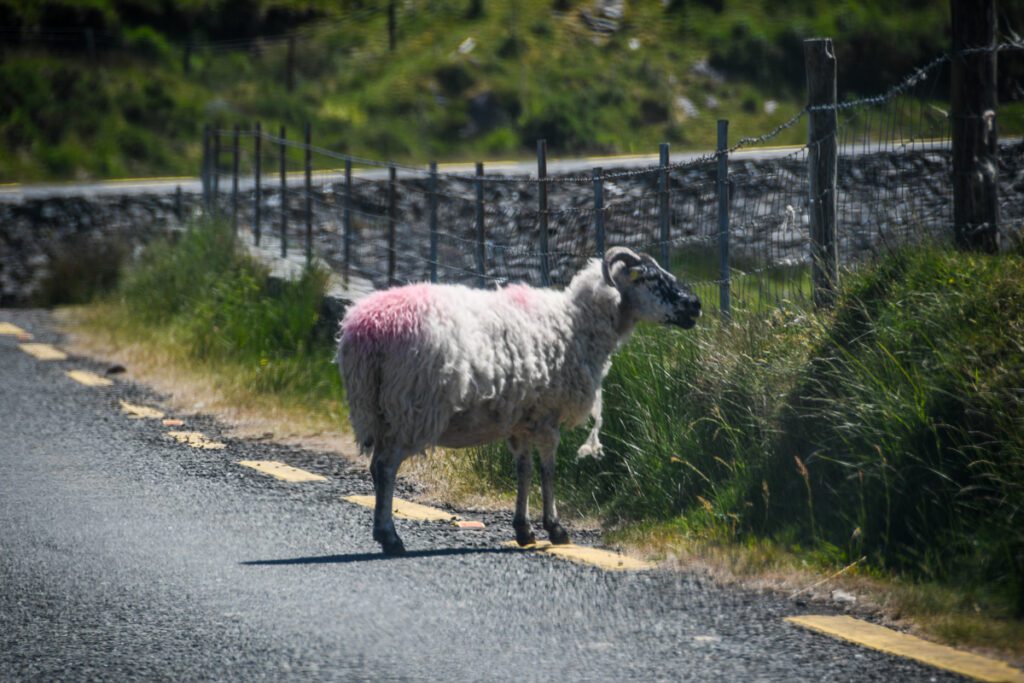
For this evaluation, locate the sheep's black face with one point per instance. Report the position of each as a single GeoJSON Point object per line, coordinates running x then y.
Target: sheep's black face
{"type": "Point", "coordinates": [648, 291]}
{"type": "Point", "coordinates": [663, 298]}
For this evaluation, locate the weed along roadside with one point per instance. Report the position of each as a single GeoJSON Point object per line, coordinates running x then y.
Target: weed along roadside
{"type": "Point", "coordinates": [888, 429]}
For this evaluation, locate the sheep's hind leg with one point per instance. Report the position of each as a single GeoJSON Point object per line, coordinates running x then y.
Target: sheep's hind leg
{"type": "Point", "coordinates": [524, 470]}
{"type": "Point", "coordinates": [383, 468]}
{"type": "Point", "coordinates": [548, 446]}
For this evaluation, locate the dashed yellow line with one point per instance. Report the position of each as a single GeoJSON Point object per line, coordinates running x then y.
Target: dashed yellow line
{"type": "Point", "coordinates": [405, 509]}
{"type": "Point", "coordinates": [89, 379]}
{"type": "Point", "coordinates": [196, 440]}
{"type": "Point", "coordinates": [904, 645]}
{"type": "Point", "coordinates": [282, 471]}
{"type": "Point", "coordinates": [140, 412]}
{"type": "Point", "coordinates": [11, 330]}
{"type": "Point", "coordinates": [596, 557]}
{"type": "Point", "coordinates": [43, 351]}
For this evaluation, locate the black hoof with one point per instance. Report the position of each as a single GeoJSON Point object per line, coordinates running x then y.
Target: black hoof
{"type": "Point", "coordinates": [525, 537]}
{"type": "Point", "coordinates": [393, 546]}
{"type": "Point", "coordinates": [558, 535]}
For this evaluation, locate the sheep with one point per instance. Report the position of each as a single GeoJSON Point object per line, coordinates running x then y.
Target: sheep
{"type": "Point", "coordinates": [445, 365]}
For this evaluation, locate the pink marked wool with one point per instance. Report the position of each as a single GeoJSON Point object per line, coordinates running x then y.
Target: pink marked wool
{"type": "Point", "coordinates": [520, 295]}
{"type": "Point", "coordinates": [388, 316]}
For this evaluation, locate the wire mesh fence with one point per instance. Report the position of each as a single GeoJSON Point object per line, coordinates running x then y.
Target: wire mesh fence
{"type": "Point", "coordinates": [389, 223]}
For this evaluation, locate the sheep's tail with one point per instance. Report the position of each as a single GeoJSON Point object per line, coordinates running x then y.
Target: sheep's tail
{"type": "Point", "coordinates": [360, 373]}
{"type": "Point", "coordinates": [592, 448]}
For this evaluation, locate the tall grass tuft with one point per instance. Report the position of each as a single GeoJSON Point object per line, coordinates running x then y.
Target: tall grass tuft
{"type": "Point", "coordinates": [902, 410]}
{"type": "Point", "coordinates": [217, 305]}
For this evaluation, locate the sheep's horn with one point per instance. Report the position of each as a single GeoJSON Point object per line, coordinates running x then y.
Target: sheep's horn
{"type": "Point", "coordinates": [628, 256]}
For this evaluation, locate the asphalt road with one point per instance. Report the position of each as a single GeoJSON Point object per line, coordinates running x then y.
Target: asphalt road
{"type": "Point", "coordinates": [125, 555]}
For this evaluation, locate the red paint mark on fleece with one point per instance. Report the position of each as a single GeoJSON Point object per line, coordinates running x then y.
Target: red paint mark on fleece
{"type": "Point", "coordinates": [387, 316]}
{"type": "Point", "coordinates": [520, 295]}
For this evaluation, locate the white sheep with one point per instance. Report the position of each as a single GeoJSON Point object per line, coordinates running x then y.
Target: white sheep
{"type": "Point", "coordinates": [445, 365]}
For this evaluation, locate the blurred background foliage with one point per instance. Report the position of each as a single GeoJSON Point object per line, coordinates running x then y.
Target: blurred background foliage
{"type": "Point", "coordinates": [107, 88]}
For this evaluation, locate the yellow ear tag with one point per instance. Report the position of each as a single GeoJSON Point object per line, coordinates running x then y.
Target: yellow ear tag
{"type": "Point", "coordinates": [634, 275]}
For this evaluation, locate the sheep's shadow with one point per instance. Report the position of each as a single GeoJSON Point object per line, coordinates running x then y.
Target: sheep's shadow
{"type": "Point", "coordinates": [369, 557]}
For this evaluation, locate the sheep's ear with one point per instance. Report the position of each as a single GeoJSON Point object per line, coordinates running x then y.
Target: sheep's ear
{"type": "Point", "coordinates": [621, 267]}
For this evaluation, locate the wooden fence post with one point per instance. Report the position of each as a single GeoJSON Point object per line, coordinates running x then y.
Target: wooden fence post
{"type": "Point", "coordinates": [481, 255]}
{"type": "Point", "coordinates": [284, 194]}
{"type": "Point", "coordinates": [215, 170]}
{"type": "Point", "coordinates": [542, 202]}
{"type": "Point", "coordinates": [309, 194]}
{"type": "Point", "coordinates": [257, 190]}
{"type": "Point", "coordinates": [820, 63]}
{"type": "Point", "coordinates": [598, 211]}
{"type": "Point", "coordinates": [346, 222]}
{"type": "Point", "coordinates": [975, 135]}
{"type": "Point", "coordinates": [289, 76]}
{"type": "Point", "coordinates": [392, 221]}
{"type": "Point", "coordinates": [234, 180]}
{"type": "Point", "coordinates": [433, 221]}
{"type": "Point", "coordinates": [663, 205]}
{"type": "Point", "coordinates": [724, 274]}
{"type": "Point", "coordinates": [204, 169]}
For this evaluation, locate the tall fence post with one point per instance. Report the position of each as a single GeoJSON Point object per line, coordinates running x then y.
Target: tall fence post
{"type": "Point", "coordinates": [481, 255]}
{"type": "Point", "coordinates": [284, 193]}
{"type": "Point", "coordinates": [542, 200]}
{"type": "Point", "coordinates": [289, 77]}
{"type": "Point", "coordinates": [975, 135]}
{"type": "Point", "coordinates": [820, 63]}
{"type": "Point", "coordinates": [433, 221]}
{"type": "Point", "coordinates": [309, 194]}
{"type": "Point", "coordinates": [257, 190]}
{"type": "Point", "coordinates": [599, 211]}
{"type": "Point", "coordinates": [234, 179]}
{"type": "Point", "coordinates": [204, 169]}
{"type": "Point", "coordinates": [215, 170]}
{"type": "Point", "coordinates": [392, 220]}
{"type": "Point", "coordinates": [346, 221]}
{"type": "Point", "coordinates": [179, 209]}
{"type": "Point", "coordinates": [663, 205]}
{"type": "Point", "coordinates": [722, 185]}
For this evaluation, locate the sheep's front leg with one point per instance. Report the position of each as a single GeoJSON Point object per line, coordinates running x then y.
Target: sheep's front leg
{"type": "Point", "coordinates": [524, 470]}
{"type": "Point", "coordinates": [547, 444]}
{"type": "Point", "coordinates": [383, 469]}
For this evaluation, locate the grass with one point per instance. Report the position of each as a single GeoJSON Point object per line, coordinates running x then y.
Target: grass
{"type": "Point", "coordinates": [133, 110]}
{"type": "Point", "coordinates": [785, 442]}
{"type": "Point", "coordinates": [199, 303]}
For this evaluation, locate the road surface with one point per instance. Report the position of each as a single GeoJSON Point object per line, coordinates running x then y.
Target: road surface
{"type": "Point", "coordinates": [126, 555]}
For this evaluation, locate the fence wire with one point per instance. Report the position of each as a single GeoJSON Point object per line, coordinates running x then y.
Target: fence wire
{"type": "Point", "coordinates": [894, 168]}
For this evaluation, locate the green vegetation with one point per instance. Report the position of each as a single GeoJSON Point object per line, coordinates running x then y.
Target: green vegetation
{"type": "Point", "coordinates": [119, 101]}
{"type": "Point", "coordinates": [891, 429]}
{"type": "Point", "coordinates": [888, 429]}
{"type": "Point", "coordinates": [206, 305]}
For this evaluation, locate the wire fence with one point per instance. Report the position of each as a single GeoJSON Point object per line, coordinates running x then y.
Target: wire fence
{"type": "Point", "coordinates": [389, 223]}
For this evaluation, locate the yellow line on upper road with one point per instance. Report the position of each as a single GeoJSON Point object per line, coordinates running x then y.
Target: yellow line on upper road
{"type": "Point", "coordinates": [904, 645]}
{"type": "Point", "coordinates": [405, 509]}
{"type": "Point", "coordinates": [89, 379]}
{"type": "Point", "coordinates": [281, 471]}
{"type": "Point", "coordinates": [196, 440]}
{"type": "Point", "coordinates": [11, 330]}
{"type": "Point", "coordinates": [137, 411]}
{"type": "Point", "coordinates": [602, 559]}
{"type": "Point", "coordinates": [43, 351]}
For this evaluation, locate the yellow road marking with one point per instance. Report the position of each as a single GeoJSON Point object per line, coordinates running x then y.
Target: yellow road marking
{"type": "Point", "coordinates": [89, 379]}
{"type": "Point", "coordinates": [11, 329]}
{"type": "Point", "coordinates": [43, 351]}
{"type": "Point", "coordinates": [603, 559]}
{"type": "Point", "coordinates": [281, 471]}
{"type": "Point", "coordinates": [135, 411]}
{"type": "Point", "coordinates": [405, 509]}
{"type": "Point", "coordinates": [903, 645]}
{"type": "Point", "coordinates": [195, 440]}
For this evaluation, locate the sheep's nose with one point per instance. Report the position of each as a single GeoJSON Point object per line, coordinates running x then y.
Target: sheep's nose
{"type": "Point", "coordinates": [693, 306]}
